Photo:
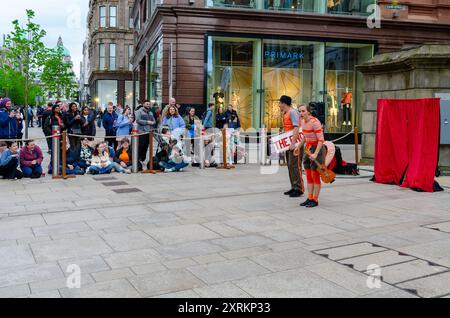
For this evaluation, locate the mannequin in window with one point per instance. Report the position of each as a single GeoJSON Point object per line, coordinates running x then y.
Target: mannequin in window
{"type": "Point", "coordinates": [332, 108]}
{"type": "Point", "coordinates": [235, 100]}
{"type": "Point", "coordinates": [219, 97]}
{"type": "Point", "coordinates": [346, 105]}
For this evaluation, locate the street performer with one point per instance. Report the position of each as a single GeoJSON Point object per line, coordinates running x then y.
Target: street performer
{"type": "Point", "coordinates": [291, 118]}
{"type": "Point", "coordinates": [313, 141]}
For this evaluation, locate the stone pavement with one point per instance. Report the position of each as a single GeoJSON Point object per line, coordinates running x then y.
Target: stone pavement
{"type": "Point", "coordinates": [220, 233]}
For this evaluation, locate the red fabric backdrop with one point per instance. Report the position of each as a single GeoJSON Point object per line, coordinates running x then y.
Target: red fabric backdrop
{"type": "Point", "coordinates": [407, 142]}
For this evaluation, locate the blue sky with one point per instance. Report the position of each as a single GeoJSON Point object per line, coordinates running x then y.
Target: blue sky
{"type": "Point", "coordinates": [65, 18]}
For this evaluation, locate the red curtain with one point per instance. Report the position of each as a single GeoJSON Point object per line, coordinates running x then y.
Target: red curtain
{"type": "Point", "coordinates": [407, 142]}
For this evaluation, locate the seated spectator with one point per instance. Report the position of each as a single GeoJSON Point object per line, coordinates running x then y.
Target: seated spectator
{"type": "Point", "coordinates": [176, 160]}
{"type": "Point", "coordinates": [72, 159]}
{"type": "Point", "coordinates": [113, 158]}
{"type": "Point", "coordinates": [85, 155]}
{"type": "Point", "coordinates": [30, 160]}
{"type": "Point", "coordinates": [9, 161]}
{"type": "Point", "coordinates": [100, 164]}
{"type": "Point", "coordinates": [124, 155]}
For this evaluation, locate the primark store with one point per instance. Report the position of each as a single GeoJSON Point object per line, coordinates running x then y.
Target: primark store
{"type": "Point", "coordinates": [248, 53]}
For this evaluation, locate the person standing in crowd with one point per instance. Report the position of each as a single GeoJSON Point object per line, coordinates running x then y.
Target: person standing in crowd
{"type": "Point", "coordinates": [313, 141]}
{"type": "Point", "coordinates": [57, 118]}
{"type": "Point", "coordinates": [100, 163]}
{"type": "Point", "coordinates": [291, 122]}
{"type": "Point", "coordinates": [229, 111]}
{"type": "Point", "coordinates": [73, 123]}
{"type": "Point", "coordinates": [221, 118]}
{"type": "Point", "coordinates": [8, 121]}
{"type": "Point", "coordinates": [47, 130]}
{"type": "Point", "coordinates": [9, 161]}
{"type": "Point", "coordinates": [233, 121]}
{"type": "Point", "coordinates": [30, 117]}
{"type": "Point", "coordinates": [40, 111]}
{"type": "Point", "coordinates": [208, 118]}
{"type": "Point", "coordinates": [31, 160]}
{"type": "Point", "coordinates": [87, 122]}
{"type": "Point", "coordinates": [110, 125]}
{"type": "Point", "coordinates": [193, 126]}
{"type": "Point", "coordinates": [172, 102]}
{"type": "Point", "coordinates": [174, 122]}
{"type": "Point", "coordinates": [19, 135]}
{"type": "Point", "coordinates": [119, 109]}
{"type": "Point", "coordinates": [156, 111]}
{"type": "Point", "coordinates": [145, 122]}
{"type": "Point", "coordinates": [124, 124]}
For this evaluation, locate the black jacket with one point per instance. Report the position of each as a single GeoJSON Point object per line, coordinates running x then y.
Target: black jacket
{"type": "Point", "coordinates": [71, 123]}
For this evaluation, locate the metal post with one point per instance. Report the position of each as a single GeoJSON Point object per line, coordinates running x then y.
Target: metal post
{"type": "Point", "coordinates": [201, 146]}
{"type": "Point", "coordinates": [263, 146]}
{"type": "Point", "coordinates": [224, 147]}
{"type": "Point", "coordinates": [135, 148]}
{"type": "Point", "coordinates": [356, 146]}
{"type": "Point", "coordinates": [55, 151]}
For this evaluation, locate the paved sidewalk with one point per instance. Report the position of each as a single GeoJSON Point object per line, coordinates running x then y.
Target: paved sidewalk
{"type": "Point", "coordinates": [220, 233]}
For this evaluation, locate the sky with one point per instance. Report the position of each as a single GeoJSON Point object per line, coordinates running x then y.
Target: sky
{"type": "Point", "coordinates": [65, 18]}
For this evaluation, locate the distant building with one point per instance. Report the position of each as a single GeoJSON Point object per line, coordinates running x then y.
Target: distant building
{"type": "Point", "coordinates": [109, 47]}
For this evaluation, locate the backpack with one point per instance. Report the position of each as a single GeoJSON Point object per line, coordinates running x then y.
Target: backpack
{"type": "Point", "coordinates": [48, 126]}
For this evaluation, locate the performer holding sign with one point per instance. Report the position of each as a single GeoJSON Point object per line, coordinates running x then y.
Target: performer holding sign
{"type": "Point", "coordinates": [291, 119]}
{"type": "Point", "coordinates": [313, 142]}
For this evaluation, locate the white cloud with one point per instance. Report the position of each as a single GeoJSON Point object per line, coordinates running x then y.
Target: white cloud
{"type": "Point", "coordinates": [65, 18]}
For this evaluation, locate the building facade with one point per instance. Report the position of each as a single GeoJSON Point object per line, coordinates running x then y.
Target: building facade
{"type": "Point", "coordinates": [248, 53]}
{"type": "Point", "coordinates": [110, 46]}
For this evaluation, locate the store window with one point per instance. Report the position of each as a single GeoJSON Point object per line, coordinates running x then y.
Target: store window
{"type": "Point", "coordinates": [233, 77]}
{"type": "Point", "coordinates": [102, 16]}
{"type": "Point", "coordinates": [106, 92]}
{"type": "Point", "coordinates": [349, 7]}
{"type": "Point", "coordinates": [112, 57]}
{"type": "Point", "coordinates": [155, 75]}
{"type": "Point", "coordinates": [130, 55]}
{"type": "Point", "coordinates": [292, 68]}
{"type": "Point", "coordinates": [101, 55]}
{"type": "Point", "coordinates": [129, 93]}
{"type": "Point", "coordinates": [245, 4]}
{"type": "Point", "coordinates": [343, 84]}
{"type": "Point", "coordinates": [112, 16]}
{"type": "Point", "coordinates": [294, 5]}
{"type": "Point", "coordinates": [130, 18]}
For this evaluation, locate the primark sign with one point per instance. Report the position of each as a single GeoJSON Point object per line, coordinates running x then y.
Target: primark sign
{"type": "Point", "coordinates": [283, 55]}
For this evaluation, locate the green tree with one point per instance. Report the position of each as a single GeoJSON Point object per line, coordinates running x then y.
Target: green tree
{"type": "Point", "coordinates": [58, 78]}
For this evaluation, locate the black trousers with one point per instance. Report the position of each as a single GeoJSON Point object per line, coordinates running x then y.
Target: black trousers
{"type": "Point", "coordinates": [112, 142]}
{"type": "Point", "coordinates": [143, 146]}
{"type": "Point", "coordinates": [9, 171]}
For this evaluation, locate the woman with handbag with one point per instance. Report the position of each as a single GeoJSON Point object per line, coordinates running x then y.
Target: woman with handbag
{"type": "Point", "coordinates": [73, 124]}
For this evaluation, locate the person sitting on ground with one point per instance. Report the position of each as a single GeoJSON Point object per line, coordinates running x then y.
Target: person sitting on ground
{"type": "Point", "coordinates": [9, 161]}
{"type": "Point", "coordinates": [100, 163]}
{"type": "Point", "coordinates": [124, 155]}
{"type": "Point", "coordinates": [113, 158]}
{"type": "Point", "coordinates": [85, 155]}
{"type": "Point", "coordinates": [31, 160]}
{"type": "Point", "coordinates": [72, 160]}
{"type": "Point", "coordinates": [176, 160]}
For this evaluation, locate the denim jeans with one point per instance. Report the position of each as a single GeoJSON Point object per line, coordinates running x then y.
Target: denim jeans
{"type": "Point", "coordinates": [28, 171]}
{"type": "Point", "coordinates": [118, 167]}
{"type": "Point", "coordinates": [102, 170]}
{"type": "Point", "coordinates": [172, 165]}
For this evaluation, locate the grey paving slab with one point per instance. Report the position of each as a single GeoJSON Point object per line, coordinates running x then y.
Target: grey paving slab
{"type": "Point", "coordinates": [87, 265]}
{"type": "Point", "coordinates": [345, 277]}
{"type": "Point", "coordinates": [389, 292]}
{"type": "Point", "coordinates": [132, 258]}
{"type": "Point", "coordinates": [191, 249]}
{"type": "Point", "coordinates": [179, 263]}
{"type": "Point", "coordinates": [29, 273]}
{"type": "Point", "coordinates": [21, 221]}
{"type": "Point", "coordinates": [109, 223]}
{"type": "Point", "coordinates": [152, 218]}
{"type": "Point", "coordinates": [15, 291]}
{"type": "Point", "coordinates": [61, 229]}
{"type": "Point", "coordinates": [72, 216]}
{"type": "Point", "coordinates": [395, 274]}
{"type": "Point", "coordinates": [223, 290]}
{"type": "Point", "coordinates": [181, 234]}
{"type": "Point", "coordinates": [258, 224]}
{"type": "Point", "coordinates": [421, 235]}
{"type": "Point", "coordinates": [211, 258]}
{"type": "Point", "coordinates": [54, 284]}
{"type": "Point", "coordinates": [175, 206]}
{"type": "Point", "coordinates": [240, 242]}
{"type": "Point", "coordinates": [351, 250]}
{"type": "Point", "coordinates": [280, 261]}
{"type": "Point", "coordinates": [127, 241]}
{"type": "Point", "coordinates": [148, 268]}
{"type": "Point", "coordinates": [296, 283]}
{"type": "Point", "coordinates": [223, 229]}
{"type": "Point", "coordinates": [113, 289]}
{"type": "Point", "coordinates": [441, 226]}
{"type": "Point", "coordinates": [214, 273]}
{"type": "Point", "coordinates": [49, 294]}
{"type": "Point", "coordinates": [12, 256]}
{"type": "Point", "coordinates": [432, 251]}
{"type": "Point", "coordinates": [71, 248]}
{"type": "Point", "coordinates": [432, 286]}
{"type": "Point", "coordinates": [165, 282]}
{"type": "Point", "coordinates": [314, 230]}
{"type": "Point", "coordinates": [112, 274]}
{"type": "Point", "coordinates": [16, 233]}
{"type": "Point", "coordinates": [361, 263]}
{"type": "Point", "coordinates": [180, 294]}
